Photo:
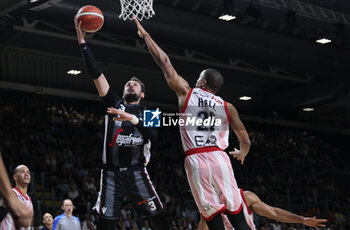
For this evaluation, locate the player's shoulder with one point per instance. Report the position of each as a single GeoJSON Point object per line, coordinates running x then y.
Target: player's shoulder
{"type": "Point", "coordinates": [57, 218]}
{"type": "Point", "coordinates": [75, 218]}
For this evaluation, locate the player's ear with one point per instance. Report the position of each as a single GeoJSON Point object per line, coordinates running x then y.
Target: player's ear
{"type": "Point", "coordinates": [142, 95]}
{"type": "Point", "coordinates": [204, 83]}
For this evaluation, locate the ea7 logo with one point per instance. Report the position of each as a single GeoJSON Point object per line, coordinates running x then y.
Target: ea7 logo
{"type": "Point", "coordinates": [151, 118]}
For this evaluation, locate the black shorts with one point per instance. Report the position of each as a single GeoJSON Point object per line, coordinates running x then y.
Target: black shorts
{"type": "Point", "coordinates": [132, 182]}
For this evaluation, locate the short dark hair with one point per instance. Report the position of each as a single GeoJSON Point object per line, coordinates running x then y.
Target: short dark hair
{"type": "Point", "coordinates": [15, 170]}
{"type": "Point", "coordinates": [214, 79]}
{"type": "Point", "coordinates": [140, 82]}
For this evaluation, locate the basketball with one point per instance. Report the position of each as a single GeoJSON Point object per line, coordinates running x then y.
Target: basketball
{"type": "Point", "coordinates": [91, 18]}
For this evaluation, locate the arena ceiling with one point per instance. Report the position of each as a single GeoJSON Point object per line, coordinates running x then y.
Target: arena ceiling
{"type": "Point", "coordinates": [268, 52]}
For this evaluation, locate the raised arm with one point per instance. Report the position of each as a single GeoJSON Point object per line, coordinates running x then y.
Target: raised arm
{"type": "Point", "coordinates": [175, 82]}
{"type": "Point", "coordinates": [241, 133]}
{"type": "Point", "coordinates": [263, 209]}
{"type": "Point", "coordinates": [94, 70]}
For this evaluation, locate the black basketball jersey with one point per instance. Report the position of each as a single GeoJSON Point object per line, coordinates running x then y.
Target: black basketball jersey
{"type": "Point", "coordinates": [123, 141]}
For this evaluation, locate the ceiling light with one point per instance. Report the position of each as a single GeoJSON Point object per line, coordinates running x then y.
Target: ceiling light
{"type": "Point", "coordinates": [308, 109]}
{"type": "Point", "coordinates": [323, 41]}
{"type": "Point", "coordinates": [74, 72]}
{"type": "Point", "coordinates": [245, 98]}
{"type": "Point", "coordinates": [227, 17]}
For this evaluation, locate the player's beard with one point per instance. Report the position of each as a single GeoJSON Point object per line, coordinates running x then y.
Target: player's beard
{"type": "Point", "coordinates": [131, 97]}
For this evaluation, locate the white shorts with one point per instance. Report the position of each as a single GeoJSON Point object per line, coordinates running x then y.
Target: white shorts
{"type": "Point", "coordinates": [213, 183]}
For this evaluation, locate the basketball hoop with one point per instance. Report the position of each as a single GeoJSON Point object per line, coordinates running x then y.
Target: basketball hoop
{"type": "Point", "coordinates": [136, 8]}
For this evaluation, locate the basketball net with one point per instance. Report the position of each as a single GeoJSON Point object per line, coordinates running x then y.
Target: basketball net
{"type": "Point", "coordinates": [136, 8]}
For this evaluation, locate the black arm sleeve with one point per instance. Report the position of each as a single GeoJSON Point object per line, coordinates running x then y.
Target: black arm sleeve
{"type": "Point", "coordinates": [148, 133]}
{"type": "Point", "coordinates": [91, 64]}
{"type": "Point", "coordinates": [111, 98]}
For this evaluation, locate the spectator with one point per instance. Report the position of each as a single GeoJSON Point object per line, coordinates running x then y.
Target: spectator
{"type": "Point", "coordinates": [48, 222]}
{"type": "Point", "coordinates": [66, 221]}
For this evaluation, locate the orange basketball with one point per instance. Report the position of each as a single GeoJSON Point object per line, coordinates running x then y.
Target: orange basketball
{"type": "Point", "coordinates": [91, 18]}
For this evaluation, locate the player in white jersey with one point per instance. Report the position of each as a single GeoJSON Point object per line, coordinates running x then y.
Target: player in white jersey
{"type": "Point", "coordinates": [21, 175]}
{"type": "Point", "coordinates": [206, 118]}
{"type": "Point", "coordinates": [251, 202]}
{"type": "Point", "coordinates": [23, 215]}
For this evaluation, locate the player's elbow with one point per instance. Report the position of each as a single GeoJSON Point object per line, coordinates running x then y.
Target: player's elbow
{"type": "Point", "coordinates": [163, 60]}
{"type": "Point", "coordinates": [246, 142]}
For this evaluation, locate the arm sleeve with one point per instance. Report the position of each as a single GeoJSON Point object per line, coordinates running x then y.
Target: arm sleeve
{"type": "Point", "coordinates": [90, 61]}
{"type": "Point", "coordinates": [55, 222]}
{"type": "Point", "coordinates": [111, 98]}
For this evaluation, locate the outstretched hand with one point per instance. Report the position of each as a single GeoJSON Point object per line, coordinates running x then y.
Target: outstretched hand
{"type": "Point", "coordinates": [122, 115]}
{"type": "Point", "coordinates": [313, 222]}
{"type": "Point", "coordinates": [141, 31]}
{"type": "Point", "coordinates": [239, 155]}
{"type": "Point", "coordinates": [80, 32]}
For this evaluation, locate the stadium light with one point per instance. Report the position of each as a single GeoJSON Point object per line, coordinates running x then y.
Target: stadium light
{"type": "Point", "coordinates": [308, 109]}
{"type": "Point", "coordinates": [74, 72]}
{"type": "Point", "coordinates": [245, 98]}
{"type": "Point", "coordinates": [323, 41]}
{"type": "Point", "coordinates": [37, 5]}
{"type": "Point", "coordinates": [227, 17]}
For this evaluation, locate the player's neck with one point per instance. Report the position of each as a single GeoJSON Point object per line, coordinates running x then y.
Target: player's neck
{"type": "Point", "coordinates": [208, 90]}
{"type": "Point", "coordinates": [49, 226]}
{"type": "Point", "coordinates": [68, 214]}
{"type": "Point", "coordinates": [22, 188]}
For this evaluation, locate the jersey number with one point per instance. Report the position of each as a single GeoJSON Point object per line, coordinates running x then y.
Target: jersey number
{"type": "Point", "coordinates": [153, 205]}
{"type": "Point", "coordinates": [203, 116]}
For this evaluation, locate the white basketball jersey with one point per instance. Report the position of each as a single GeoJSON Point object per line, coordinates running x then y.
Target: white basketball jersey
{"type": "Point", "coordinates": [7, 223]}
{"type": "Point", "coordinates": [206, 121]}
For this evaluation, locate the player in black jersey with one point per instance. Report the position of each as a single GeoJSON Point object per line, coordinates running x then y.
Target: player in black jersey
{"type": "Point", "coordinates": [126, 144]}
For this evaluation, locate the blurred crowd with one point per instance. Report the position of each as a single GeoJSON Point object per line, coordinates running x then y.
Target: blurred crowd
{"type": "Point", "coordinates": [61, 142]}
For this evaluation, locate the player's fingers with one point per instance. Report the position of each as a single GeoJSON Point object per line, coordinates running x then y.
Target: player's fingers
{"type": "Point", "coordinates": [116, 119]}
{"type": "Point", "coordinates": [136, 21]}
{"type": "Point", "coordinates": [110, 110]}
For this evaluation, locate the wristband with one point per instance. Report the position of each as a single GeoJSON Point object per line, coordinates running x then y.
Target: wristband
{"type": "Point", "coordinates": [134, 120]}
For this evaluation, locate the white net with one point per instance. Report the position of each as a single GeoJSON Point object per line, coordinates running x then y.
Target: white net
{"type": "Point", "coordinates": [136, 8]}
